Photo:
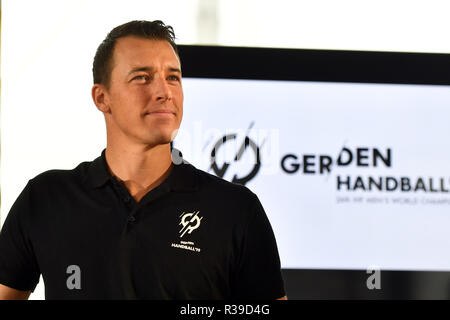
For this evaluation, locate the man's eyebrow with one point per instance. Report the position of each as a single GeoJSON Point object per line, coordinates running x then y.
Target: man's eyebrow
{"type": "Point", "coordinates": [172, 69]}
{"type": "Point", "coordinates": [148, 69]}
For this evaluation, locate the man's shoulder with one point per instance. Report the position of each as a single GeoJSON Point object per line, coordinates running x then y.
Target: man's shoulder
{"type": "Point", "coordinates": [219, 187]}
{"type": "Point", "coordinates": [56, 177]}
{"type": "Point", "coordinates": [231, 203]}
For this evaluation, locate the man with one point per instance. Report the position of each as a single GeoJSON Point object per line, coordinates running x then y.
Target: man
{"type": "Point", "coordinates": [132, 224]}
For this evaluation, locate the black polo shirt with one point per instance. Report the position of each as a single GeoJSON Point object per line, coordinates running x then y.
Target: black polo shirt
{"type": "Point", "coordinates": [195, 236]}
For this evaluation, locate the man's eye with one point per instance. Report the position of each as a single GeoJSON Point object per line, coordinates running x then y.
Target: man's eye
{"type": "Point", "coordinates": [174, 78]}
{"type": "Point", "coordinates": [142, 77]}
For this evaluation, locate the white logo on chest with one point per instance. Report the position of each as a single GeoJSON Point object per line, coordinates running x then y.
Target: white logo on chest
{"type": "Point", "coordinates": [189, 222]}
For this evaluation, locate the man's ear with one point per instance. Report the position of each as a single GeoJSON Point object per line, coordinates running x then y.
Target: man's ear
{"type": "Point", "coordinates": [101, 98]}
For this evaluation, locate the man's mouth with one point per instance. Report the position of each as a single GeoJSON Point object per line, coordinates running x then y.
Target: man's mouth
{"type": "Point", "coordinates": [160, 113]}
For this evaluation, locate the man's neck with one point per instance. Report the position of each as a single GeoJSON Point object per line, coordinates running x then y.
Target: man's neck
{"type": "Point", "coordinates": [140, 169]}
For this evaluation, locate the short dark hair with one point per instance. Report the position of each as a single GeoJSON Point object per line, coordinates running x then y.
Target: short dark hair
{"type": "Point", "coordinates": [103, 60]}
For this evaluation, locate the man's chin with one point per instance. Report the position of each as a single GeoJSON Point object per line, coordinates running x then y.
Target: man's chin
{"type": "Point", "coordinates": [158, 137]}
{"type": "Point", "coordinates": [160, 140]}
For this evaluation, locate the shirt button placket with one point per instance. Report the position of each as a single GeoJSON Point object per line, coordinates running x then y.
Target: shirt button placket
{"type": "Point", "coordinates": [127, 200]}
{"type": "Point", "coordinates": [132, 213]}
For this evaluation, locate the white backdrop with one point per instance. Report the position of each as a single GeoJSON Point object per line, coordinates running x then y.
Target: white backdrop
{"type": "Point", "coordinates": [319, 223]}
{"type": "Point", "coordinates": [49, 121]}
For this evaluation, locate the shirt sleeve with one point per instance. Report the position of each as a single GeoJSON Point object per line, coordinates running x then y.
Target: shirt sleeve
{"type": "Point", "coordinates": [259, 269]}
{"type": "Point", "coordinates": [18, 265]}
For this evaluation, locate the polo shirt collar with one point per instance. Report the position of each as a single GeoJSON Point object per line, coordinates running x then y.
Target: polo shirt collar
{"type": "Point", "coordinates": [183, 177]}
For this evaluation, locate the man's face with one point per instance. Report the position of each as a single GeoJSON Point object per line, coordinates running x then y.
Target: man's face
{"type": "Point", "coordinates": [145, 96]}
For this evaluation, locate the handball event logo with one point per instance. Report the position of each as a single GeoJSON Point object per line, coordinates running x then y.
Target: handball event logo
{"type": "Point", "coordinates": [247, 144]}
{"type": "Point", "coordinates": [369, 168]}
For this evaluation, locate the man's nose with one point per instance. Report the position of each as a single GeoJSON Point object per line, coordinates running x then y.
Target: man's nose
{"type": "Point", "coordinates": [162, 90]}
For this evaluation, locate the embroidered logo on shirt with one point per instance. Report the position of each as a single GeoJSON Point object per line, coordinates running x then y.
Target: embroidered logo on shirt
{"type": "Point", "coordinates": [189, 222]}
